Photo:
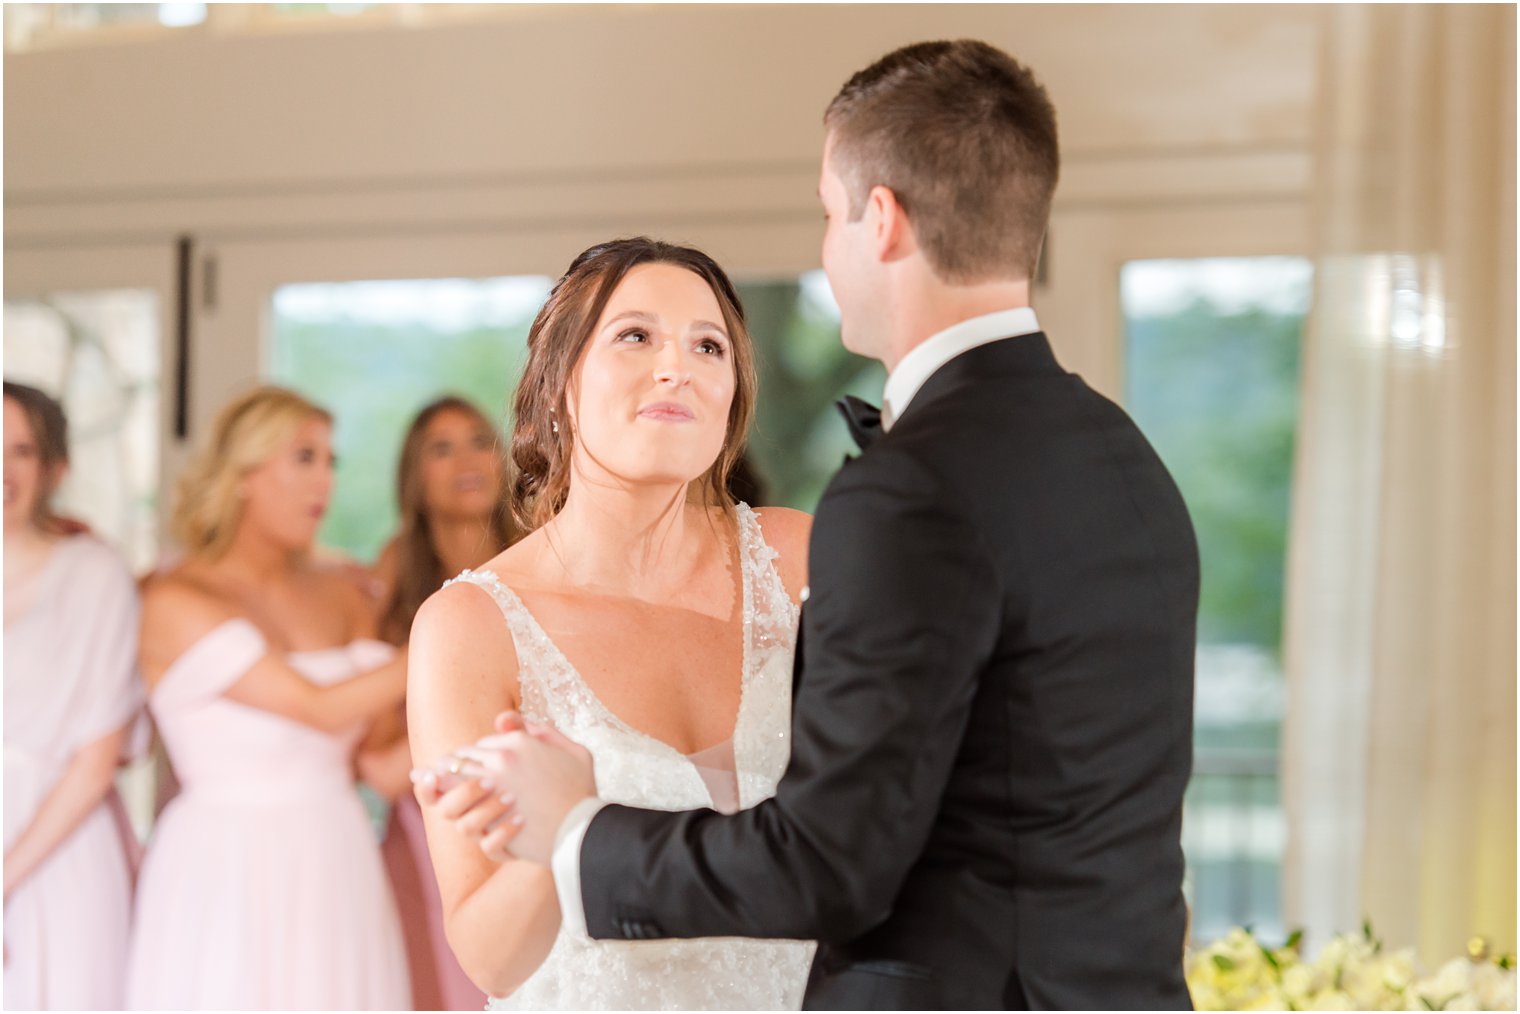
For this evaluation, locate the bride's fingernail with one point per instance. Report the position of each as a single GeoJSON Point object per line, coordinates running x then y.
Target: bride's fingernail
{"type": "Point", "coordinates": [487, 785]}
{"type": "Point", "coordinates": [516, 819]}
{"type": "Point", "coordinates": [507, 799]}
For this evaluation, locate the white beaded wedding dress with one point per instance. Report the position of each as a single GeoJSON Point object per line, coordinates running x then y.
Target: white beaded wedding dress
{"type": "Point", "coordinates": [638, 770]}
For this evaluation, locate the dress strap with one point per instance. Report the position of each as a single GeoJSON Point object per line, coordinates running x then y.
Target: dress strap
{"type": "Point", "coordinates": [512, 608]}
{"type": "Point", "coordinates": [766, 594]}
{"type": "Point", "coordinates": [535, 652]}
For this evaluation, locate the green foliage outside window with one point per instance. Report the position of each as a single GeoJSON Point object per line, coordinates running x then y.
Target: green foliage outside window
{"type": "Point", "coordinates": [374, 377]}
{"type": "Point", "coordinates": [1216, 392]}
{"type": "Point", "coordinates": [799, 440]}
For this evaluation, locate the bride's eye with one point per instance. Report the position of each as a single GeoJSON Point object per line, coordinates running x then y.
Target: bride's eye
{"type": "Point", "coordinates": [632, 334]}
{"type": "Point", "coordinates": [711, 347]}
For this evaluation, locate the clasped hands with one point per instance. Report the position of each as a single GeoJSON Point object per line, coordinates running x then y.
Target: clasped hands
{"type": "Point", "coordinates": [510, 791]}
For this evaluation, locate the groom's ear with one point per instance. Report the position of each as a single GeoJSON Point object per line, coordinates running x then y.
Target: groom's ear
{"type": "Point", "coordinates": [891, 229]}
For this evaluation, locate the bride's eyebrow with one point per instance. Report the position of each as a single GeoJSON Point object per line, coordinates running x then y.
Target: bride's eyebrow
{"type": "Point", "coordinates": [707, 325]}
{"type": "Point", "coordinates": [635, 315]}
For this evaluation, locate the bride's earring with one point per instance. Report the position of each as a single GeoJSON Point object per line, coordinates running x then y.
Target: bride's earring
{"type": "Point", "coordinates": [553, 422]}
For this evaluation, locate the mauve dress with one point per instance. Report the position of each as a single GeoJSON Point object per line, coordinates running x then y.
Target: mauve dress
{"type": "Point", "coordinates": [263, 886]}
{"type": "Point", "coordinates": [438, 983]}
{"type": "Point", "coordinates": [70, 678]}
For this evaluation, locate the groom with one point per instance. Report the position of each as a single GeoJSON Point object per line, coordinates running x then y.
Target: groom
{"type": "Point", "coordinates": [993, 694]}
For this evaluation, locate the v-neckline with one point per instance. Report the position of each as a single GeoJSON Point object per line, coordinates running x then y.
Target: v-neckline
{"type": "Point", "coordinates": [617, 721]}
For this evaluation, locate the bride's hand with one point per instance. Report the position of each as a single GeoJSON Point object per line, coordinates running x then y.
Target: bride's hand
{"type": "Point", "coordinates": [470, 801]}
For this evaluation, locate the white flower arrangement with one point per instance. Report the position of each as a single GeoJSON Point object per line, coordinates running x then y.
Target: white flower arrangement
{"type": "Point", "coordinates": [1352, 972]}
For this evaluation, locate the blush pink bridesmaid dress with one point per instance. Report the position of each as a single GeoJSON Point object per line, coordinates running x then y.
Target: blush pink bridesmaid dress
{"type": "Point", "coordinates": [263, 886]}
{"type": "Point", "coordinates": [70, 678]}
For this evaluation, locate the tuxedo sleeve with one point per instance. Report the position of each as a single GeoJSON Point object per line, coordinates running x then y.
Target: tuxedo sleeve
{"type": "Point", "coordinates": [903, 615]}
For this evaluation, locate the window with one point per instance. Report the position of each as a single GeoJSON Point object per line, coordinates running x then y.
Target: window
{"type": "Point", "coordinates": [799, 439]}
{"type": "Point", "coordinates": [1212, 357]}
{"type": "Point", "coordinates": [97, 352]}
{"type": "Point", "coordinates": [375, 352]}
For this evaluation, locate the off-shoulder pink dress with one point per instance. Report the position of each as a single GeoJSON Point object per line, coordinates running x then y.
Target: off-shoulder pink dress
{"type": "Point", "coordinates": [263, 886]}
{"type": "Point", "coordinates": [70, 678]}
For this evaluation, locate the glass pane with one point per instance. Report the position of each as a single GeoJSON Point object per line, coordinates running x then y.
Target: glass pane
{"type": "Point", "coordinates": [98, 353]}
{"type": "Point", "coordinates": [799, 440]}
{"type": "Point", "coordinates": [1212, 356]}
{"type": "Point", "coordinates": [375, 352]}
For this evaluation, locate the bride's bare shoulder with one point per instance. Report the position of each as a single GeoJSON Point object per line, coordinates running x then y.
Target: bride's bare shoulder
{"type": "Point", "coordinates": [787, 532]}
{"type": "Point", "coordinates": [465, 616]}
{"type": "Point", "coordinates": [460, 638]}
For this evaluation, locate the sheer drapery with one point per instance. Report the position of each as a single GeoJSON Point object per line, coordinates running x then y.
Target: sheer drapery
{"type": "Point", "coordinates": [1399, 759]}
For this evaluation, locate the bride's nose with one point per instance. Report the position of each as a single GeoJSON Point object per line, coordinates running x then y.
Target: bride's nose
{"type": "Point", "coordinates": [671, 367]}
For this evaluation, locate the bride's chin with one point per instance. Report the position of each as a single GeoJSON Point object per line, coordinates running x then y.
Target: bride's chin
{"type": "Point", "coordinates": [662, 480]}
{"type": "Point", "coordinates": [662, 473]}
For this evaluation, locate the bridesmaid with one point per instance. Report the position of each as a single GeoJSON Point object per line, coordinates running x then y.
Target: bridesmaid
{"type": "Point", "coordinates": [70, 698]}
{"type": "Point", "coordinates": [452, 488]}
{"type": "Point", "coordinates": [263, 886]}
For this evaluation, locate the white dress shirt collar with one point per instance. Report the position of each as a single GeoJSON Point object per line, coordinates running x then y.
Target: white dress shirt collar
{"type": "Point", "coordinates": [925, 359]}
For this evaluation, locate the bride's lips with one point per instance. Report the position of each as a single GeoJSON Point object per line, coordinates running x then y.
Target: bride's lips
{"type": "Point", "coordinates": [668, 411]}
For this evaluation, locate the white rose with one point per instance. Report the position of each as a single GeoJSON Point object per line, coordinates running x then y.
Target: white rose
{"type": "Point", "coordinates": [1298, 982]}
{"type": "Point", "coordinates": [1496, 988]}
{"type": "Point", "coordinates": [1463, 1001]}
{"type": "Point", "coordinates": [1398, 970]}
{"type": "Point", "coordinates": [1453, 978]}
{"type": "Point", "coordinates": [1267, 999]}
{"type": "Point", "coordinates": [1331, 999]}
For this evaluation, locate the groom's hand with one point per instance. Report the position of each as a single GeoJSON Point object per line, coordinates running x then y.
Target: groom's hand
{"type": "Point", "coordinates": [546, 775]}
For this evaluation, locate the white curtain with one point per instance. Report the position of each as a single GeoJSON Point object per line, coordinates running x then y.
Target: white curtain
{"type": "Point", "coordinates": [1399, 750]}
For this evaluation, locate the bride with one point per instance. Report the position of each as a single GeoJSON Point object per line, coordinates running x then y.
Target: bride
{"type": "Point", "coordinates": [647, 616]}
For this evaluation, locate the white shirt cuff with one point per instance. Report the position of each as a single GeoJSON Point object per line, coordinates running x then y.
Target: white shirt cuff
{"type": "Point", "coordinates": [566, 864]}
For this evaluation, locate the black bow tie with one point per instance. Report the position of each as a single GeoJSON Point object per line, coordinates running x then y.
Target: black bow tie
{"type": "Point", "coordinates": [863, 419]}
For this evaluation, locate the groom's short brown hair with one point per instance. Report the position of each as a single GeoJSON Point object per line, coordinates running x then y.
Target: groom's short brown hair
{"type": "Point", "coordinates": [965, 138]}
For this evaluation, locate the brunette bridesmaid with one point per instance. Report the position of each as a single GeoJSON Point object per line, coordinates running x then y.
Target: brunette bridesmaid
{"type": "Point", "coordinates": [71, 696]}
{"type": "Point", "coordinates": [452, 487]}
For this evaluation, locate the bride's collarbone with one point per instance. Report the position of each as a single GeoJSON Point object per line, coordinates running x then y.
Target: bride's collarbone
{"type": "Point", "coordinates": [704, 575]}
{"type": "Point", "coordinates": [562, 607]}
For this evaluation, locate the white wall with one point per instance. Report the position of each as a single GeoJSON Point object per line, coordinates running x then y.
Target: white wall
{"type": "Point", "coordinates": [662, 110]}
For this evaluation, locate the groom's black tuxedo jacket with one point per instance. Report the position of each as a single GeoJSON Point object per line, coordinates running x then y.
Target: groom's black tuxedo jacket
{"type": "Point", "coordinates": [992, 721]}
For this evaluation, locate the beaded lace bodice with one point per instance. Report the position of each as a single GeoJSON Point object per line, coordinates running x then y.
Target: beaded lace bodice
{"type": "Point", "coordinates": [635, 769]}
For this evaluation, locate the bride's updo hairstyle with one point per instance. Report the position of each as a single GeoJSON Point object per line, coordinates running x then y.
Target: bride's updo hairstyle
{"type": "Point", "coordinates": [542, 438]}
{"type": "Point", "coordinates": [247, 433]}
